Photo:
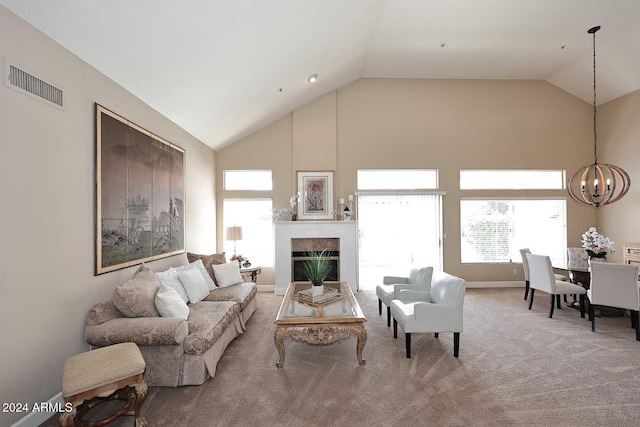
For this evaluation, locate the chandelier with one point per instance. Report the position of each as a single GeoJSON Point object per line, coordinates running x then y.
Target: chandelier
{"type": "Point", "coordinates": [599, 183]}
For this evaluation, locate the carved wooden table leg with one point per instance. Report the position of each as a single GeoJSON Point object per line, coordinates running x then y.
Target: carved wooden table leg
{"type": "Point", "coordinates": [361, 333]}
{"type": "Point", "coordinates": [278, 337]}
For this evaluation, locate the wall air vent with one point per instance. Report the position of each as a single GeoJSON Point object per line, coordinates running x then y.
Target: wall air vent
{"type": "Point", "coordinates": [24, 82]}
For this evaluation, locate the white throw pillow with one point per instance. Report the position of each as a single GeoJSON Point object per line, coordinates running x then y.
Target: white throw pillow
{"type": "Point", "coordinates": [170, 279]}
{"type": "Point", "coordinates": [194, 284]}
{"type": "Point", "coordinates": [227, 274]}
{"type": "Point", "coordinates": [170, 304]}
{"type": "Point", "coordinates": [201, 268]}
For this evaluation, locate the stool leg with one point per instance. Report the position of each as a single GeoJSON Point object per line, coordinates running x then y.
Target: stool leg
{"type": "Point", "coordinates": [66, 418]}
{"type": "Point", "coordinates": [141, 393]}
{"type": "Point", "coordinates": [379, 306]}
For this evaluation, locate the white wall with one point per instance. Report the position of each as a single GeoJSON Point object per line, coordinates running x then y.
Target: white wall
{"type": "Point", "coordinates": [47, 210]}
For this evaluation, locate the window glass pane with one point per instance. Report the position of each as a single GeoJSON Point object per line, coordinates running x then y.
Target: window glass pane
{"type": "Point", "coordinates": [254, 216]}
{"type": "Point", "coordinates": [511, 180]}
{"type": "Point", "coordinates": [495, 230]}
{"type": "Point", "coordinates": [248, 180]}
{"type": "Point", "coordinates": [397, 179]}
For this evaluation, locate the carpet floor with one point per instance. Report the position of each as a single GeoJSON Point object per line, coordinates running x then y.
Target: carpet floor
{"type": "Point", "coordinates": [516, 367]}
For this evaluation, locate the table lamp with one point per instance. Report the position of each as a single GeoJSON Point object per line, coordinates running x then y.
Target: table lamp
{"type": "Point", "coordinates": [234, 233]}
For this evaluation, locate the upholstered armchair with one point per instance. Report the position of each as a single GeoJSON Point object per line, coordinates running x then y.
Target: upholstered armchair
{"type": "Point", "coordinates": [614, 285]}
{"type": "Point", "coordinates": [419, 280]}
{"type": "Point", "coordinates": [439, 310]}
{"type": "Point", "coordinates": [525, 269]}
{"type": "Point", "coordinates": [541, 277]}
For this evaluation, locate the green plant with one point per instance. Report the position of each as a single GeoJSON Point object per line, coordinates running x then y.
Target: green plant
{"type": "Point", "coordinates": [317, 268]}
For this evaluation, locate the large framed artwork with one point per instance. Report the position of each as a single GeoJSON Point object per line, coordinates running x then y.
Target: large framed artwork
{"type": "Point", "coordinates": [316, 195]}
{"type": "Point", "coordinates": [139, 194]}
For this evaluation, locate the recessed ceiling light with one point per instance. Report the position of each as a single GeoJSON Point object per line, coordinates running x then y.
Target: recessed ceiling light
{"type": "Point", "coordinates": [313, 78]}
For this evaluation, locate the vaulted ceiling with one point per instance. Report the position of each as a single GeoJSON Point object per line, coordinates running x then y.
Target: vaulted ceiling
{"type": "Point", "coordinates": [222, 69]}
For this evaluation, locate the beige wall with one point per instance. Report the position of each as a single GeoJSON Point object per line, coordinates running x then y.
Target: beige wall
{"type": "Point", "coordinates": [444, 124]}
{"type": "Point", "coordinates": [47, 211]}
{"type": "Point", "coordinates": [619, 144]}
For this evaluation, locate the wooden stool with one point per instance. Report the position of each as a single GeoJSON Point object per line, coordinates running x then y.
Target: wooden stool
{"type": "Point", "coordinates": [107, 373]}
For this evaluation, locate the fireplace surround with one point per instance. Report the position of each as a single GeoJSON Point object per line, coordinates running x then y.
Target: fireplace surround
{"type": "Point", "coordinates": [337, 236]}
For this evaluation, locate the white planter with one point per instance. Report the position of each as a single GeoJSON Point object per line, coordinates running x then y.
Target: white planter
{"type": "Point", "coordinates": [317, 290]}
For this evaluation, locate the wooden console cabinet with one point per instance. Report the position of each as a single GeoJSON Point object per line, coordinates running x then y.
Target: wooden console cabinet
{"type": "Point", "coordinates": [632, 253]}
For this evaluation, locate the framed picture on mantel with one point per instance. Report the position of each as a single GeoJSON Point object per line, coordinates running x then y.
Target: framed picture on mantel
{"type": "Point", "coordinates": [316, 195]}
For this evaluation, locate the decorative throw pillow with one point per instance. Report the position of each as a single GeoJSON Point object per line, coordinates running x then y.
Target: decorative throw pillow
{"type": "Point", "coordinates": [194, 284]}
{"type": "Point", "coordinates": [170, 279]}
{"type": "Point", "coordinates": [208, 261]}
{"type": "Point", "coordinates": [227, 274]}
{"type": "Point", "coordinates": [136, 297]}
{"type": "Point", "coordinates": [170, 304]}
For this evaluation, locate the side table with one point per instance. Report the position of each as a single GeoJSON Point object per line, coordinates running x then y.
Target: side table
{"type": "Point", "coordinates": [250, 273]}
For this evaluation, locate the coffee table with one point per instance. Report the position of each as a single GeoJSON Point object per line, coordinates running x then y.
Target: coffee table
{"type": "Point", "coordinates": [320, 324]}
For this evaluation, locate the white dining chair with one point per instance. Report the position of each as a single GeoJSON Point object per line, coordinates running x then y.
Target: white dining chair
{"type": "Point", "coordinates": [541, 277]}
{"type": "Point", "coordinates": [525, 270]}
{"type": "Point", "coordinates": [614, 285]}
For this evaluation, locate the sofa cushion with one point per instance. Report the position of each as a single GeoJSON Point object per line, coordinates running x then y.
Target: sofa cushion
{"type": "Point", "coordinates": [194, 284]}
{"type": "Point", "coordinates": [136, 297]}
{"type": "Point", "coordinates": [170, 278]}
{"type": "Point", "coordinates": [170, 304]}
{"type": "Point", "coordinates": [208, 261]}
{"type": "Point", "coordinates": [199, 265]}
{"type": "Point", "coordinates": [207, 322]}
{"type": "Point", "coordinates": [241, 293]}
{"type": "Point", "coordinates": [227, 274]}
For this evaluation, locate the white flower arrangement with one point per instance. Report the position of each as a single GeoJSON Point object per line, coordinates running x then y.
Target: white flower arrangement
{"type": "Point", "coordinates": [596, 244]}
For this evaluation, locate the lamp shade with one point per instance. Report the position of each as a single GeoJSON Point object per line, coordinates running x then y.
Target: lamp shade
{"type": "Point", "coordinates": [234, 233]}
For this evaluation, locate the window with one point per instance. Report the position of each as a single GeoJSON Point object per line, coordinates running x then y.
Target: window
{"type": "Point", "coordinates": [494, 230]}
{"type": "Point", "coordinates": [512, 179]}
{"type": "Point", "coordinates": [257, 180]}
{"type": "Point", "coordinates": [254, 216]}
{"type": "Point", "coordinates": [397, 179]}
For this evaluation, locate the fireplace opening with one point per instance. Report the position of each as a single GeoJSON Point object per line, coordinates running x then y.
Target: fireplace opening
{"type": "Point", "coordinates": [303, 249]}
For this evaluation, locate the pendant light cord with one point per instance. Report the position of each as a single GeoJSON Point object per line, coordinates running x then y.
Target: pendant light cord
{"type": "Point", "coordinates": [595, 133]}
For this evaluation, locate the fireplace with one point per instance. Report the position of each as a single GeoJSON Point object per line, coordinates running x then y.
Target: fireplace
{"type": "Point", "coordinates": [303, 249]}
{"type": "Point", "coordinates": [342, 236]}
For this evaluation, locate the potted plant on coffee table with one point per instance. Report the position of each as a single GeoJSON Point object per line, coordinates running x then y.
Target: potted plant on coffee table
{"type": "Point", "coordinates": [316, 269]}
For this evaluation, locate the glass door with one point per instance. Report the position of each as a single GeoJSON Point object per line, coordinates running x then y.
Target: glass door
{"type": "Point", "coordinates": [396, 232]}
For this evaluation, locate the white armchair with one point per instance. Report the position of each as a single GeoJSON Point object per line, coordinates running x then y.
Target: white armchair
{"type": "Point", "coordinates": [525, 270]}
{"type": "Point", "coordinates": [419, 280]}
{"type": "Point", "coordinates": [541, 277]}
{"type": "Point", "coordinates": [439, 310]}
{"type": "Point", "coordinates": [614, 285]}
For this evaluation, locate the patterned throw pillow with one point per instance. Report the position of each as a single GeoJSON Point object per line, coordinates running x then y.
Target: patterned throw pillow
{"type": "Point", "coordinates": [208, 261]}
{"type": "Point", "coordinates": [136, 297]}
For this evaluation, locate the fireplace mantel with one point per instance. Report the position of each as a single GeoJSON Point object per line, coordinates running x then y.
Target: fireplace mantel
{"type": "Point", "coordinates": [346, 231]}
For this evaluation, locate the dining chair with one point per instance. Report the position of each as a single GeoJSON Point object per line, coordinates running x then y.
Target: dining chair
{"type": "Point", "coordinates": [614, 285]}
{"type": "Point", "coordinates": [541, 277]}
{"type": "Point", "coordinates": [525, 269]}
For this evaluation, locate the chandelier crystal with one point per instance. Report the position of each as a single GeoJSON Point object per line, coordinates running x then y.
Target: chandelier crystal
{"type": "Point", "coordinates": [599, 183]}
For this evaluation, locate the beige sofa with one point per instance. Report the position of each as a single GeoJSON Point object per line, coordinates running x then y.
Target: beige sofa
{"type": "Point", "coordinates": [177, 351]}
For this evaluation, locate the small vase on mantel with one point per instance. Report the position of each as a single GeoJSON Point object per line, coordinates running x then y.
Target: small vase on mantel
{"type": "Point", "coordinates": [317, 290]}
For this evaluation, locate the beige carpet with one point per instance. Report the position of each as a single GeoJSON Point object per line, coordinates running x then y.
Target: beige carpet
{"type": "Point", "coordinates": [516, 367]}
